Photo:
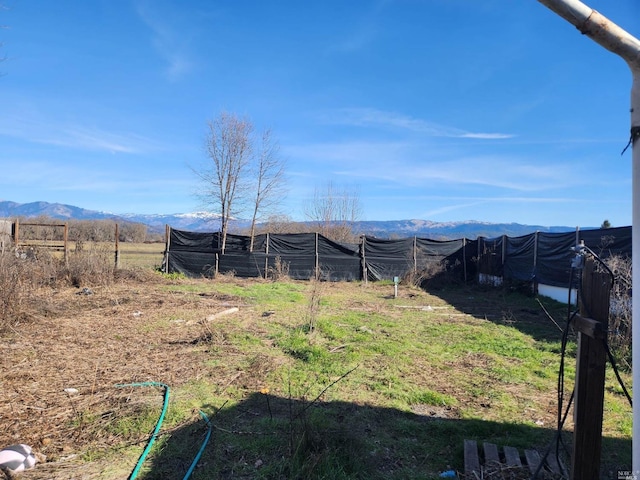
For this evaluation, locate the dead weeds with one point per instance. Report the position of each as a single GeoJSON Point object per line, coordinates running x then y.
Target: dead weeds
{"type": "Point", "coordinates": [60, 368]}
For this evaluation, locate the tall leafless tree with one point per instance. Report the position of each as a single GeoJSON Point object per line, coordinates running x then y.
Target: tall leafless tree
{"type": "Point", "coordinates": [334, 210]}
{"type": "Point", "coordinates": [228, 148]}
{"type": "Point", "coordinates": [243, 172]}
{"type": "Point", "coordinates": [269, 180]}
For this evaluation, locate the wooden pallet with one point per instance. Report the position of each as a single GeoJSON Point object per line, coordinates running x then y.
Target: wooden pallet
{"type": "Point", "coordinates": [510, 458]}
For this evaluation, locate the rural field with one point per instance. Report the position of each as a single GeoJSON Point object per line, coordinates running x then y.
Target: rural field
{"type": "Point", "coordinates": [260, 379]}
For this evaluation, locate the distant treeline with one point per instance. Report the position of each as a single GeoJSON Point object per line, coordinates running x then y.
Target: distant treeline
{"type": "Point", "coordinates": [103, 230]}
{"type": "Point", "coordinates": [85, 230]}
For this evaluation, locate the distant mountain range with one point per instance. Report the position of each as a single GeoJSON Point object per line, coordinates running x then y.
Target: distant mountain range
{"type": "Point", "coordinates": [204, 221]}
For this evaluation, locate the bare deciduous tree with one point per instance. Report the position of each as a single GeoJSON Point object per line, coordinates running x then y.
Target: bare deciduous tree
{"type": "Point", "coordinates": [334, 211]}
{"type": "Point", "coordinates": [280, 223]}
{"type": "Point", "coordinates": [228, 148]}
{"type": "Point", "coordinates": [269, 180]}
{"type": "Point", "coordinates": [241, 172]}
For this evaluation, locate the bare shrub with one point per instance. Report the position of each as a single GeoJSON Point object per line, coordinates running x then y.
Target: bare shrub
{"type": "Point", "coordinates": [228, 276]}
{"type": "Point", "coordinates": [279, 271]}
{"type": "Point", "coordinates": [13, 290]}
{"type": "Point", "coordinates": [436, 274]}
{"type": "Point", "coordinates": [26, 273]}
{"type": "Point", "coordinates": [314, 297]}
{"type": "Point", "coordinates": [22, 274]}
{"type": "Point", "coordinates": [136, 274]}
{"type": "Point", "coordinates": [620, 307]}
{"type": "Point", "coordinates": [334, 211]}
{"type": "Point", "coordinates": [93, 266]}
{"type": "Point", "coordinates": [419, 278]}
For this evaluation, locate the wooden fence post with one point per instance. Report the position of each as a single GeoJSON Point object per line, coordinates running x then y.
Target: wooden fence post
{"type": "Point", "coordinates": [363, 258]}
{"type": "Point", "coordinates": [316, 273]}
{"type": "Point", "coordinates": [117, 248]}
{"type": "Point", "coordinates": [464, 259]}
{"type": "Point", "coordinates": [592, 324]}
{"type": "Point", "coordinates": [167, 246]}
{"type": "Point", "coordinates": [415, 255]}
{"type": "Point", "coordinates": [534, 282]}
{"type": "Point", "coordinates": [66, 245]}
{"type": "Point", "coordinates": [266, 258]}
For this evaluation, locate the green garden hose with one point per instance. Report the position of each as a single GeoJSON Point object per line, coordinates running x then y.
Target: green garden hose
{"type": "Point", "coordinates": [204, 444]}
{"type": "Point", "coordinates": [154, 435]}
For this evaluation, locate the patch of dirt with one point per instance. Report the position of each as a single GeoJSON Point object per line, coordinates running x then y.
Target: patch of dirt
{"type": "Point", "coordinates": [435, 411]}
{"type": "Point", "coordinates": [68, 361]}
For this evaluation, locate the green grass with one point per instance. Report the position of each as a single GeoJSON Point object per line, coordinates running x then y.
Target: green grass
{"type": "Point", "coordinates": [374, 391]}
{"type": "Point", "coordinates": [265, 293]}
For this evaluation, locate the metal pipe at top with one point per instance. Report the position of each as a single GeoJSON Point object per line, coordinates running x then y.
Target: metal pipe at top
{"type": "Point", "coordinates": [617, 40]}
{"type": "Point", "coordinates": [598, 27]}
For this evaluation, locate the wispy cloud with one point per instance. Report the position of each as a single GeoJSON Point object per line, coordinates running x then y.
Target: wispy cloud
{"type": "Point", "coordinates": [455, 204]}
{"type": "Point", "coordinates": [451, 208]}
{"type": "Point", "coordinates": [169, 42]}
{"type": "Point", "coordinates": [492, 171]}
{"type": "Point", "coordinates": [374, 118]}
{"type": "Point", "coordinates": [96, 139]}
{"type": "Point", "coordinates": [486, 136]}
{"type": "Point", "coordinates": [515, 174]}
{"type": "Point", "coordinates": [418, 164]}
{"type": "Point", "coordinates": [32, 126]}
{"type": "Point", "coordinates": [45, 175]}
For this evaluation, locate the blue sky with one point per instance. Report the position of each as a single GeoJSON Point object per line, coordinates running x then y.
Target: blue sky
{"type": "Point", "coordinates": [443, 110]}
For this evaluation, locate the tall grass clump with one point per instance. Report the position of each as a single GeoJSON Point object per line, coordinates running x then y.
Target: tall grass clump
{"type": "Point", "coordinates": [279, 271]}
{"type": "Point", "coordinates": [22, 274]}
{"type": "Point", "coordinates": [25, 272]}
{"type": "Point", "coordinates": [93, 266]}
{"type": "Point", "coordinates": [13, 289]}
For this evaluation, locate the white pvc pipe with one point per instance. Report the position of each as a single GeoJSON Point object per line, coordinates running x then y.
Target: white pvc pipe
{"type": "Point", "coordinates": [618, 41]}
{"type": "Point", "coordinates": [635, 232]}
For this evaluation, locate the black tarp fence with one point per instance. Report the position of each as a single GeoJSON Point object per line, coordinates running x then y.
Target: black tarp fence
{"type": "Point", "coordinates": [545, 258]}
{"type": "Point", "coordinates": [519, 257]}
{"type": "Point", "coordinates": [491, 255]}
{"type": "Point", "coordinates": [298, 255]}
{"type": "Point", "coordinates": [386, 259]}
{"type": "Point", "coordinates": [538, 258]}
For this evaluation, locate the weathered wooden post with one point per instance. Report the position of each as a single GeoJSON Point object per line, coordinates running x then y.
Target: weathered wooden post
{"type": "Point", "coordinates": [363, 258]}
{"type": "Point", "coordinates": [415, 255]}
{"type": "Point", "coordinates": [464, 259]}
{"type": "Point", "coordinates": [266, 258]}
{"type": "Point", "coordinates": [16, 233]}
{"type": "Point", "coordinates": [167, 245]}
{"type": "Point", "coordinates": [592, 324]}
{"type": "Point", "coordinates": [117, 254]}
{"type": "Point", "coordinates": [316, 273]}
{"type": "Point", "coordinates": [66, 246]}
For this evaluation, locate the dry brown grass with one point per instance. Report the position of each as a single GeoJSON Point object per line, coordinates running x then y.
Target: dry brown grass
{"type": "Point", "coordinates": [91, 343]}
